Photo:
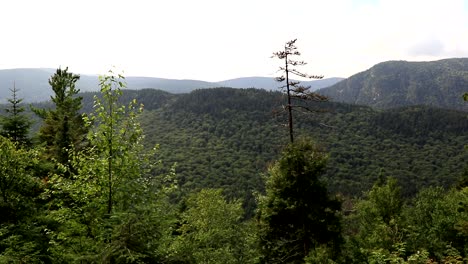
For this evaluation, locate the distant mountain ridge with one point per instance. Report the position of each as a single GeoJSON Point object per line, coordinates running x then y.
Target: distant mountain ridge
{"type": "Point", "coordinates": [271, 84]}
{"type": "Point", "coordinates": [34, 87]}
{"type": "Point", "coordinates": [401, 83]}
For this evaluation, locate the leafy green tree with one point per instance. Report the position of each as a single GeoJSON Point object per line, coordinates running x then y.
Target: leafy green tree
{"type": "Point", "coordinates": [377, 221]}
{"type": "Point", "coordinates": [63, 128]}
{"type": "Point", "coordinates": [16, 179]}
{"type": "Point", "coordinates": [293, 88]}
{"type": "Point", "coordinates": [16, 125]}
{"type": "Point", "coordinates": [435, 222]}
{"type": "Point", "coordinates": [212, 231]}
{"type": "Point", "coordinates": [297, 215]}
{"type": "Point", "coordinates": [117, 209]}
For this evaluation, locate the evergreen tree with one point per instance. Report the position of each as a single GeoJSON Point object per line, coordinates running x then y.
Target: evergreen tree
{"type": "Point", "coordinates": [119, 212]}
{"type": "Point", "coordinates": [15, 125]}
{"type": "Point", "coordinates": [293, 88]}
{"type": "Point", "coordinates": [296, 214]}
{"type": "Point", "coordinates": [21, 232]}
{"type": "Point", "coordinates": [63, 127]}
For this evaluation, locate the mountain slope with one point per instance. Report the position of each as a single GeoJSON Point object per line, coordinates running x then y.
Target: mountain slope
{"type": "Point", "coordinates": [227, 137]}
{"type": "Point", "coordinates": [401, 83]}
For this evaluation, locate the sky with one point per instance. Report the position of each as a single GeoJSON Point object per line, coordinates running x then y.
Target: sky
{"type": "Point", "coordinates": [214, 40]}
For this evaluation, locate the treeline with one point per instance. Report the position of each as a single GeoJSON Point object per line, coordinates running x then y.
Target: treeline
{"type": "Point", "coordinates": [222, 187]}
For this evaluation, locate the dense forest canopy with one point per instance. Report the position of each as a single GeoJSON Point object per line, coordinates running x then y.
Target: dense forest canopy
{"type": "Point", "coordinates": [146, 176]}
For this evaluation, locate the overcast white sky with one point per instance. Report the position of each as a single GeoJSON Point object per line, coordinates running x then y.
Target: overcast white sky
{"type": "Point", "coordinates": [213, 40]}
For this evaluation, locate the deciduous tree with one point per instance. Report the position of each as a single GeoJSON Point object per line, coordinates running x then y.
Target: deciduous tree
{"type": "Point", "coordinates": [212, 231]}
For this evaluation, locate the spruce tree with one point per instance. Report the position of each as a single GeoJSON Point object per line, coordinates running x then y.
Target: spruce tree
{"type": "Point", "coordinates": [297, 215]}
{"type": "Point", "coordinates": [15, 125]}
{"type": "Point", "coordinates": [63, 127]}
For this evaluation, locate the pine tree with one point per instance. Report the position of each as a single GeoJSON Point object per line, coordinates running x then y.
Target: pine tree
{"type": "Point", "coordinates": [296, 215]}
{"type": "Point", "coordinates": [15, 125]}
{"type": "Point", "coordinates": [63, 127]}
{"type": "Point", "coordinates": [294, 90]}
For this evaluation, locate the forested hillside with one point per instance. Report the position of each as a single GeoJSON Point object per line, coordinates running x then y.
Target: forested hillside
{"type": "Point", "coordinates": [401, 83]}
{"type": "Point", "coordinates": [228, 137]}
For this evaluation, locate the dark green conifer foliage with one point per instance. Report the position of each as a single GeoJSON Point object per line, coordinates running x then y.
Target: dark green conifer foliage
{"type": "Point", "coordinates": [297, 215]}
{"type": "Point", "coordinates": [15, 125]}
{"type": "Point", "coordinates": [63, 127]}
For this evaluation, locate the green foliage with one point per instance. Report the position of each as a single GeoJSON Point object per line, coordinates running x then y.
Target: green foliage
{"type": "Point", "coordinates": [434, 220]}
{"type": "Point", "coordinates": [296, 214]}
{"type": "Point", "coordinates": [429, 229]}
{"type": "Point", "coordinates": [377, 221]}
{"type": "Point", "coordinates": [225, 138]}
{"type": "Point", "coordinates": [115, 206]}
{"type": "Point", "coordinates": [16, 125]}
{"type": "Point", "coordinates": [63, 128]}
{"type": "Point", "coordinates": [231, 138]}
{"type": "Point", "coordinates": [21, 240]}
{"type": "Point", "coordinates": [211, 231]}
{"type": "Point", "coordinates": [17, 183]}
{"type": "Point", "coordinates": [116, 135]}
{"type": "Point", "coordinates": [112, 209]}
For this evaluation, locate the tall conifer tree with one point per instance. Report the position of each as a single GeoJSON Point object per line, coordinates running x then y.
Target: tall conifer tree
{"type": "Point", "coordinates": [15, 125]}
{"type": "Point", "coordinates": [63, 127]}
{"type": "Point", "coordinates": [296, 215]}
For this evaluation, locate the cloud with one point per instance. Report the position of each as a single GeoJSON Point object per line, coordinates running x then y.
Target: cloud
{"type": "Point", "coordinates": [215, 40]}
{"type": "Point", "coordinates": [429, 47]}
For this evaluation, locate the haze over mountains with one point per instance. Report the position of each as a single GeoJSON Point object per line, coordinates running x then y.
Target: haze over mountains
{"type": "Point", "coordinates": [34, 87]}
